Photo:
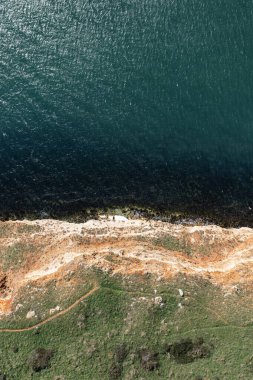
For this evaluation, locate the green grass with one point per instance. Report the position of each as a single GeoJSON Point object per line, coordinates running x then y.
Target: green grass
{"type": "Point", "coordinates": [41, 299]}
{"type": "Point", "coordinates": [5, 230]}
{"type": "Point", "coordinates": [28, 228]}
{"type": "Point", "coordinates": [123, 310]}
{"type": "Point", "coordinates": [173, 244]}
{"type": "Point", "coordinates": [14, 256]}
{"type": "Point", "coordinates": [8, 230]}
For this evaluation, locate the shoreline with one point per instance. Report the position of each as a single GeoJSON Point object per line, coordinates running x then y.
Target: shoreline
{"type": "Point", "coordinates": [223, 218]}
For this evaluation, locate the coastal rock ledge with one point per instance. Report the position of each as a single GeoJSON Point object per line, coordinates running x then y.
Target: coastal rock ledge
{"type": "Point", "coordinates": [38, 255]}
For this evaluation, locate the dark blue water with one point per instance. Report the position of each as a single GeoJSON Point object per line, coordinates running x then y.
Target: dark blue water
{"type": "Point", "coordinates": [126, 102]}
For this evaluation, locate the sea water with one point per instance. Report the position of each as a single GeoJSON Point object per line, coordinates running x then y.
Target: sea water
{"type": "Point", "coordinates": [126, 102]}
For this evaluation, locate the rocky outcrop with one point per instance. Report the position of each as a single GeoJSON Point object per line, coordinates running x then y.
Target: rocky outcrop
{"type": "Point", "coordinates": [35, 252]}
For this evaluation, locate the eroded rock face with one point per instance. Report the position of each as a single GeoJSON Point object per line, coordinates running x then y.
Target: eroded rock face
{"type": "Point", "coordinates": [37, 252]}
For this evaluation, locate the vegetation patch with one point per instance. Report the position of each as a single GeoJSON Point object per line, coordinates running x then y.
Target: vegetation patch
{"type": "Point", "coordinates": [148, 359]}
{"type": "Point", "coordinates": [115, 371]}
{"type": "Point", "coordinates": [119, 332]}
{"type": "Point", "coordinates": [39, 359]}
{"type": "Point", "coordinates": [5, 230]}
{"type": "Point", "coordinates": [9, 230]}
{"type": "Point", "coordinates": [187, 350]}
{"type": "Point", "coordinates": [120, 354]}
{"type": "Point", "coordinates": [16, 255]}
{"type": "Point", "coordinates": [173, 244]}
{"type": "Point", "coordinates": [28, 228]}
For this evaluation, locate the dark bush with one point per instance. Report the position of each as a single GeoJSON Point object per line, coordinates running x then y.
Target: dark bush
{"type": "Point", "coordinates": [120, 353]}
{"type": "Point", "coordinates": [186, 350]}
{"type": "Point", "coordinates": [180, 351]}
{"type": "Point", "coordinates": [149, 359]}
{"type": "Point", "coordinates": [115, 371]}
{"type": "Point", "coordinates": [40, 359]}
{"type": "Point", "coordinates": [200, 351]}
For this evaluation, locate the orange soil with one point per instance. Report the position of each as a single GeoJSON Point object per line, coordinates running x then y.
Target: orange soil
{"type": "Point", "coordinates": [224, 256]}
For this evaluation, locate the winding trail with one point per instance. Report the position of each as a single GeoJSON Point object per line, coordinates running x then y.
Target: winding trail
{"type": "Point", "coordinates": [92, 291]}
{"type": "Point", "coordinates": [62, 312]}
{"type": "Point", "coordinates": [96, 243]}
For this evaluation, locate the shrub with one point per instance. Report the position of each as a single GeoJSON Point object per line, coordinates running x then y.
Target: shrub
{"type": "Point", "coordinates": [115, 371]}
{"type": "Point", "coordinates": [120, 353]}
{"type": "Point", "coordinates": [149, 359]}
{"type": "Point", "coordinates": [186, 350]}
{"type": "Point", "coordinates": [40, 359]}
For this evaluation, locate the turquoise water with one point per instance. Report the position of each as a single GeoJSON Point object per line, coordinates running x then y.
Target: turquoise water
{"type": "Point", "coordinates": [116, 102]}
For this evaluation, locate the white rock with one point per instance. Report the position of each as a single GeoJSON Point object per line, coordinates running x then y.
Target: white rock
{"type": "Point", "coordinates": [181, 293]}
{"type": "Point", "coordinates": [52, 311]}
{"type": "Point", "coordinates": [158, 300]}
{"type": "Point", "coordinates": [142, 298]}
{"type": "Point", "coordinates": [119, 218]}
{"type": "Point", "coordinates": [19, 305]}
{"type": "Point", "coordinates": [30, 314]}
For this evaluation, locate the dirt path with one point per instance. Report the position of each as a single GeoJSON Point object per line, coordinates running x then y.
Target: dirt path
{"type": "Point", "coordinates": [62, 312]}
{"type": "Point", "coordinates": [86, 295]}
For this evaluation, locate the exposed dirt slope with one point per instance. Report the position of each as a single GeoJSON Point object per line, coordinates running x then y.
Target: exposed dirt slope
{"type": "Point", "coordinates": [35, 252]}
